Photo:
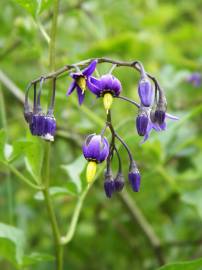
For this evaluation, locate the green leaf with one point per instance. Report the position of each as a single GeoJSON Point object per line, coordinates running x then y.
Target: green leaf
{"type": "Point", "coordinates": [34, 7]}
{"type": "Point", "coordinates": [12, 243]}
{"type": "Point", "coordinates": [189, 265]}
{"type": "Point", "coordinates": [194, 199]}
{"type": "Point", "coordinates": [36, 257]}
{"type": "Point", "coordinates": [54, 192]}
{"type": "Point", "coordinates": [2, 143]}
{"type": "Point", "coordinates": [74, 170]}
{"type": "Point", "coordinates": [34, 157]}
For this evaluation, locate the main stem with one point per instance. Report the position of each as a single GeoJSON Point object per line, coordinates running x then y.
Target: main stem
{"type": "Point", "coordinates": [46, 161]}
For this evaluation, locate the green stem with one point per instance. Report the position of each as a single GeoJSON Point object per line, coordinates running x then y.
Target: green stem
{"type": "Point", "coordinates": [71, 230]}
{"type": "Point", "coordinates": [46, 161]}
{"type": "Point", "coordinates": [53, 35]}
{"type": "Point", "coordinates": [21, 176]}
{"type": "Point", "coordinates": [8, 179]}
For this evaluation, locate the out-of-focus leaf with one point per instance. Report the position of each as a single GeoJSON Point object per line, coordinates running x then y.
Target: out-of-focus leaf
{"type": "Point", "coordinates": [191, 265]}
{"type": "Point", "coordinates": [36, 257]}
{"type": "Point", "coordinates": [33, 157]}
{"type": "Point", "coordinates": [194, 199]}
{"type": "Point", "coordinates": [34, 7]}
{"type": "Point", "coordinates": [54, 192]}
{"type": "Point", "coordinates": [12, 243]}
{"type": "Point", "coordinates": [2, 143]}
{"type": "Point", "coordinates": [8, 149]}
{"type": "Point", "coordinates": [74, 171]}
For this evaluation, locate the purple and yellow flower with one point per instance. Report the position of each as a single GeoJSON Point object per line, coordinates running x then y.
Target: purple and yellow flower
{"type": "Point", "coordinates": [95, 150]}
{"type": "Point", "coordinates": [156, 126]}
{"type": "Point", "coordinates": [80, 81]}
{"type": "Point", "coordinates": [107, 87]}
{"type": "Point", "coordinates": [145, 92]}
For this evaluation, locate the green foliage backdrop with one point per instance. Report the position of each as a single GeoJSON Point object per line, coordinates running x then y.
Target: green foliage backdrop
{"type": "Point", "coordinates": [161, 223]}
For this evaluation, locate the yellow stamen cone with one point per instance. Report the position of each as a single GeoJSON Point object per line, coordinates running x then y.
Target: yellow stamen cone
{"type": "Point", "coordinates": [81, 81]}
{"type": "Point", "coordinates": [91, 171]}
{"type": "Point", "coordinates": [107, 100]}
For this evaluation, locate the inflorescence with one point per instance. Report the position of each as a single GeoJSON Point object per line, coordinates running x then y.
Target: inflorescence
{"type": "Point", "coordinates": [152, 114]}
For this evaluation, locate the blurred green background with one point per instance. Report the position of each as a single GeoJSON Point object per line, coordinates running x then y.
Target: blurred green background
{"type": "Point", "coordinates": [162, 223]}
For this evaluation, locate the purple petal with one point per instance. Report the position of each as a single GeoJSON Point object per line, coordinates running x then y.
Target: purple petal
{"type": "Point", "coordinates": [172, 117]}
{"type": "Point", "coordinates": [76, 75]}
{"type": "Point", "coordinates": [94, 86]}
{"type": "Point", "coordinates": [105, 151]}
{"type": "Point", "coordinates": [90, 68]}
{"type": "Point", "coordinates": [149, 129]}
{"type": "Point", "coordinates": [145, 92]}
{"type": "Point", "coordinates": [71, 88]}
{"type": "Point", "coordinates": [116, 86]}
{"type": "Point", "coordinates": [163, 126]}
{"type": "Point", "coordinates": [94, 147]}
{"type": "Point", "coordinates": [107, 82]}
{"type": "Point", "coordinates": [80, 95]}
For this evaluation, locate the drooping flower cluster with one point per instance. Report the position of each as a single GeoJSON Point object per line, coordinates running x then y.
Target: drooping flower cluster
{"type": "Point", "coordinates": [40, 124]}
{"type": "Point", "coordinates": [151, 115]}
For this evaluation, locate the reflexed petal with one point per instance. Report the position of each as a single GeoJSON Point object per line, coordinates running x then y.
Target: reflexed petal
{"type": "Point", "coordinates": [90, 68]}
{"type": "Point", "coordinates": [163, 126]}
{"type": "Point", "coordinates": [71, 88]}
{"type": "Point", "coordinates": [80, 95]}
{"type": "Point", "coordinates": [76, 75]}
{"type": "Point", "coordinates": [172, 117]}
{"type": "Point", "coordinates": [107, 82]}
{"type": "Point", "coordinates": [94, 147]}
{"type": "Point", "coordinates": [149, 129]}
{"type": "Point", "coordinates": [105, 151]}
{"type": "Point", "coordinates": [116, 86]}
{"type": "Point", "coordinates": [94, 86]}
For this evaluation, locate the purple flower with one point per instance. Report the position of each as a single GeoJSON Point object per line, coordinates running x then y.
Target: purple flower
{"type": "Point", "coordinates": [96, 148]}
{"type": "Point", "coordinates": [109, 184]}
{"type": "Point", "coordinates": [119, 182]}
{"type": "Point", "coordinates": [156, 126]}
{"type": "Point", "coordinates": [134, 177]}
{"type": "Point", "coordinates": [107, 87]}
{"type": "Point", "coordinates": [106, 84]}
{"type": "Point", "coordinates": [195, 79]}
{"type": "Point", "coordinates": [141, 123]}
{"type": "Point", "coordinates": [80, 79]}
{"type": "Point", "coordinates": [145, 92]}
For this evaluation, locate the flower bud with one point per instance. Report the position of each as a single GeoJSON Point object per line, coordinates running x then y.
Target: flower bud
{"type": "Point", "coordinates": [109, 185]}
{"type": "Point", "coordinates": [119, 182]}
{"type": "Point", "coordinates": [145, 92]}
{"type": "Point", "coordinates": [134, 177]}
{"type": "Point", "coordinates": [141, 124]}
{"type": "Point", "coordinates": [28, 116]}
{"type": "Point", "coordinates": [159, 116]}
{"type": "Point", "coordinates": [49, 128]}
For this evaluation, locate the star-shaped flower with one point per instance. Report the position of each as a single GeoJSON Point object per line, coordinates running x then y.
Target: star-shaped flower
{"type": "Point", "coordinates": [80, 80]}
